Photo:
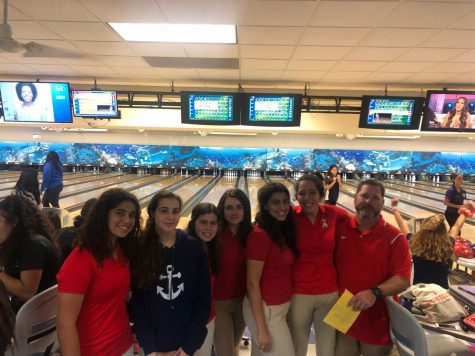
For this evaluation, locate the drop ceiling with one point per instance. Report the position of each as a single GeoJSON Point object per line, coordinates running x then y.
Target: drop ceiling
{"type": "Point", "coordinates": [282, 45]}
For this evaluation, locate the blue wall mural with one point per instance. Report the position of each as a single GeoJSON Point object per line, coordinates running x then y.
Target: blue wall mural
{"type": "Point", "coordinates": [247, 158]}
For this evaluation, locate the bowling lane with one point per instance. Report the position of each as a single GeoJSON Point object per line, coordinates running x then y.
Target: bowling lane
{"type": "Point", "coordinates": [253, 185]}
{"type": "Point", "coordinates": [421, 188]}
{"type": "Point", "coordinates": [443, 186]}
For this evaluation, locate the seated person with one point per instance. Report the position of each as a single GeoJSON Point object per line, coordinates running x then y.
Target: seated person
{"type": "Point", "coordinates": [28, 256]}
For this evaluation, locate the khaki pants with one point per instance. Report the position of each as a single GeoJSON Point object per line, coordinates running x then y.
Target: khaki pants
{"type": "Point", "coordinates": [348, 346]}
{"type": "Point", "coordinates": [275, 316]}
{"type": "Point", "coordinates": [305, 310]}
{"type": "Point", "coordinates": [205, 349]}
{"type": "Point", "coordinates": [229, 327]}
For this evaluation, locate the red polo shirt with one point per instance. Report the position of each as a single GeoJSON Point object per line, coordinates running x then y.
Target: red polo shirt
{"type": "Point", "coordinates": [276, 278]}
{"type": "Point", "coordinates": [364, 260]}
{"type": "Point", "coordinates": [230, 281]}
{"type": "Point", "coordinates": [314, 271]}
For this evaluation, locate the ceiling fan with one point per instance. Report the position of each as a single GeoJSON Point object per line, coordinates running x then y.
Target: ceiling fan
{"type": "Point", "coordinates": [29, 49]}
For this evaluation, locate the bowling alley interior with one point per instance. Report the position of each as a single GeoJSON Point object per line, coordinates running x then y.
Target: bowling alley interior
{"type": "Point", "coordinates": [251, 92]}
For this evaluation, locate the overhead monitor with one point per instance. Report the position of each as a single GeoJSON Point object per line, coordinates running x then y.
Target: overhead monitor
{"type": "Point", "coordinates": [95, 103]}
{"type": "Point", "coordinates": [202, 108]}
{"type": "Point", "coordinates": [390, 112]}
{"type": "Point", "coordinates": [35, 102]}
{"type": "Point", "coordinates": [449, 111]}
{"type": "Point", "coordinates": [272, 110]}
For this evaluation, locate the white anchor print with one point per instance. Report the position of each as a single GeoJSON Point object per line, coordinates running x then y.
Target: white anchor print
{"type": "Point", "coordinates": [171, 294]}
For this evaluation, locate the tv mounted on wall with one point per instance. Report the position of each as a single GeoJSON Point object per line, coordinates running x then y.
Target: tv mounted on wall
{"type": "Point", "coordinates": [272, 110]}
{"type": "Point", "coordinates": [390, 112]}
{"type": "Point", "coordinates": [449, 111]}
{"type": "Point", "coordinates": [202, 108]}
{"type": "Point", "coordinates": [35, 102]}
{"type": "Point", "coordinates": [95, 104]}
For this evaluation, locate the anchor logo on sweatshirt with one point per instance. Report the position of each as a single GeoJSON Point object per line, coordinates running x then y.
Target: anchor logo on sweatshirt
{"type": "Point", "coordinates": [171, 294]}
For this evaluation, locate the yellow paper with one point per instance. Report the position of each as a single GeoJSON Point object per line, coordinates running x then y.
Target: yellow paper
{"type": "Point", "coordinates": [341, 316]}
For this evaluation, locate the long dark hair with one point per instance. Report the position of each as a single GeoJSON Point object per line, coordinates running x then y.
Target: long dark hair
{"type": "Point", "coordinates": [245, 226]}
{"type": "Point", "coordinates": [53, 158]}
{"type": "Point", "coordinates": [281, 233]}
{"type": "Point", "coordinates": [7, 321]}
{"type": "Point", "coordinates": [150, 260]}
{"type": "Point", "coordinates": [27, 220]}
{"type": "Point", "coordinates": [211, 246]}
{"type": "Point", "coordinates": [28, 182]}
{"type": "Point", "coordinates": [93, 235]}
{"type": "Point", "coordinates": [85, 210]}
{"type": "Point", "coordinates": [463, 114]}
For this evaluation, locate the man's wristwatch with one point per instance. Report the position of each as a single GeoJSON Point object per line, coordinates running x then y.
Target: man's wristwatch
{"type": "Point", "coordinates": [378, 293]}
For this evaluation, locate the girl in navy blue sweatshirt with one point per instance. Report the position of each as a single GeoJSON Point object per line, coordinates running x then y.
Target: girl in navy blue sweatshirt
{"type": "Point", "coordinates": [171, 298]}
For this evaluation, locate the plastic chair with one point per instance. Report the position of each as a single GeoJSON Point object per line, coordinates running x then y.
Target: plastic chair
{"type": "Point", "coordinates": [35, 329]}
{"type": "Point", "coordinates": [411, 340]}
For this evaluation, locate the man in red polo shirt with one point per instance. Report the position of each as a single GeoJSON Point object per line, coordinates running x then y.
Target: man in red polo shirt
{"type": "Point", "coordinates": [373, 261]}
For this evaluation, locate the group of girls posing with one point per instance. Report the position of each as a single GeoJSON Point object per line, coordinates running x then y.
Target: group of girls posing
{"type": "Point", "coordinates": [195, 289]}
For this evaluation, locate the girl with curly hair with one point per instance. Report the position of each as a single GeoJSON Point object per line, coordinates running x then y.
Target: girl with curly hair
{"type": "Point", "coordinates": [93, 283]}
{"type": "Point", "coordinates": [271, 249]}
{"type": "Point", "coordinates": [204, 225]}
{"type": "Point", "coordinates": [172, 293]}
{"type": "Point", "coordinates": [29, 259]}
{"type": "Point", "coordinates": [432, 251]}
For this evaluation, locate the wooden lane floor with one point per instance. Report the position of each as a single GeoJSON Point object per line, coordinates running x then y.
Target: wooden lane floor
{"type": "Point", "coordinates": [253, 185]}
{"type": "Point", "coordinates": [424, 189]}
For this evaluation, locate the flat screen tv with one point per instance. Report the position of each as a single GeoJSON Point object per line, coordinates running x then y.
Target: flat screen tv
{"type": "Point", "coordinates": [390, 112]}
{"type": "Point", "coordinates": [449, 111]}
{"type": "Point", "coordinates": [35, 102]}
{"type": "Point", "coordinates": [95, 104]}
{"type": "Point", "coordinates": [272, 110]}
{"type": "Point", "coordinates": [201, 108]}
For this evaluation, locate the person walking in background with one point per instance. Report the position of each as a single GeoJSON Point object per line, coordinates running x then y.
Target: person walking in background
{"type": "Point", "coordinates": [94, 281]}
{"type": "Point", "coordinates": [171, 299]}
{"type": "Point", "coordinates": [52, 183]}
{"type": "Point", "coordinates": [332, 184]}
{"type": "Point", "coordinates": [314, 273]}
{"type": "Point", "coordinates": [454, 198]}
{"type": "Point", "coordinates": [28, 254]}
{"type": "Point", "coordinates": [204, 224]}
{"type": "Point", "coordinates": [28, 184]}
{"type": "Point", "coordinates": [230, 285]}
{"type": "Point", "coordinates": [271, 250]}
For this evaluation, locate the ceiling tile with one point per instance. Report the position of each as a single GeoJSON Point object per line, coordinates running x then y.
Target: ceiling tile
{"type": "Point", "coordinates": [426, 15]}
{"type": "Point", "coordinates": [319, 36]}
{"type": "Point", "coordinates": [157, 49]}
{"type": "Point", "coordinates": [145, 11]}
{"type": "Point", "coordinates": [275, 13]}
{"type": "Point", "coordinates": [467, 56]}
{"type": "Point", "coordinates": [265, 52]}
{"type": "Point", "coordinates": [375, 53]}
{"type": "Point", "coordinates": [86, 61]}
{"type": "Point", "coordinates": [211, 50]}
{"type": "Point", "coordinates": [32, 30]}
{"type": "Point", "coordinates": [432, 54]}
{"type": "Point", "coordinates": [303, 75]}
{"type": "Point", "coordinates": [386, 77]}
{"type": "Point", "coordinates": [429, 78]}
{"type": "Point", "coordinates": [135, 71]}
{"type": "Point", "coordinates": [172, 73]}
{"type": "Point", "coordinates": [54, 10]}
{"type": "Point", "coordinates": [406, 67]}
{"type": "Point", "coordinates": [358, 66]}
{"type": "Point", "coordinates": [269, 35]}
{"type": "Point", "coordinates": [264, 64]}
{"type": "Point", "coordinates": [452, 68]}
{"type": "Point", "coordinates": [55, 68]}
{"type": "Point", "coordinates": [191, 11]}
{"type": "Point", "coordinates": [452, 39]}
{"type": "Point", "coordinates": [104, 48]}
{"type": "Point", "coordinates": [346, 75]}
{"type": "Point", "coordinates": [309, 65]}
{"type": "Point", "coordinates": [81, 31]}
{"type": "Point", "coordinates": [320, 52]}
{"type": "Point", "coordinates": [231, 74]}
{"type": "Point", "coordinates": [123, 61]}
{"type": "Point", "coordinates": [251, 74]}
{"type": "Point", "coordinates": [18, 69]}
{"type": "Point", "coordinates": [18, 58]}
{"type": "Point", "coordinates": [396, 37]}
{"type": "Point", "coordinates": [363, 13]}
{"type": "Point", "coordinates": [94, 70]}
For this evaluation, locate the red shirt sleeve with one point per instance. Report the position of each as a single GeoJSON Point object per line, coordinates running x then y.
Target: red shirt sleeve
{"type": "Point", "coordinates": [76, 272]}
{"type": "Point", "coordinates": [400, 263]}
{"type": "Point", "coordinates": [257, 245]}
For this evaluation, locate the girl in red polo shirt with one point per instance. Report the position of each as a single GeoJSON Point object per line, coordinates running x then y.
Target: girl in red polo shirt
{"type": "Point", "coordinates": [204, 224]}
{"type": "Point", "coordinates": [94, 281]}
{"type": "Point", "coordinates": [230, 284]}
{"type": "Point", "coordinates": [314, 273]}
{"type": "Point", "coordinates": [271, 250]}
